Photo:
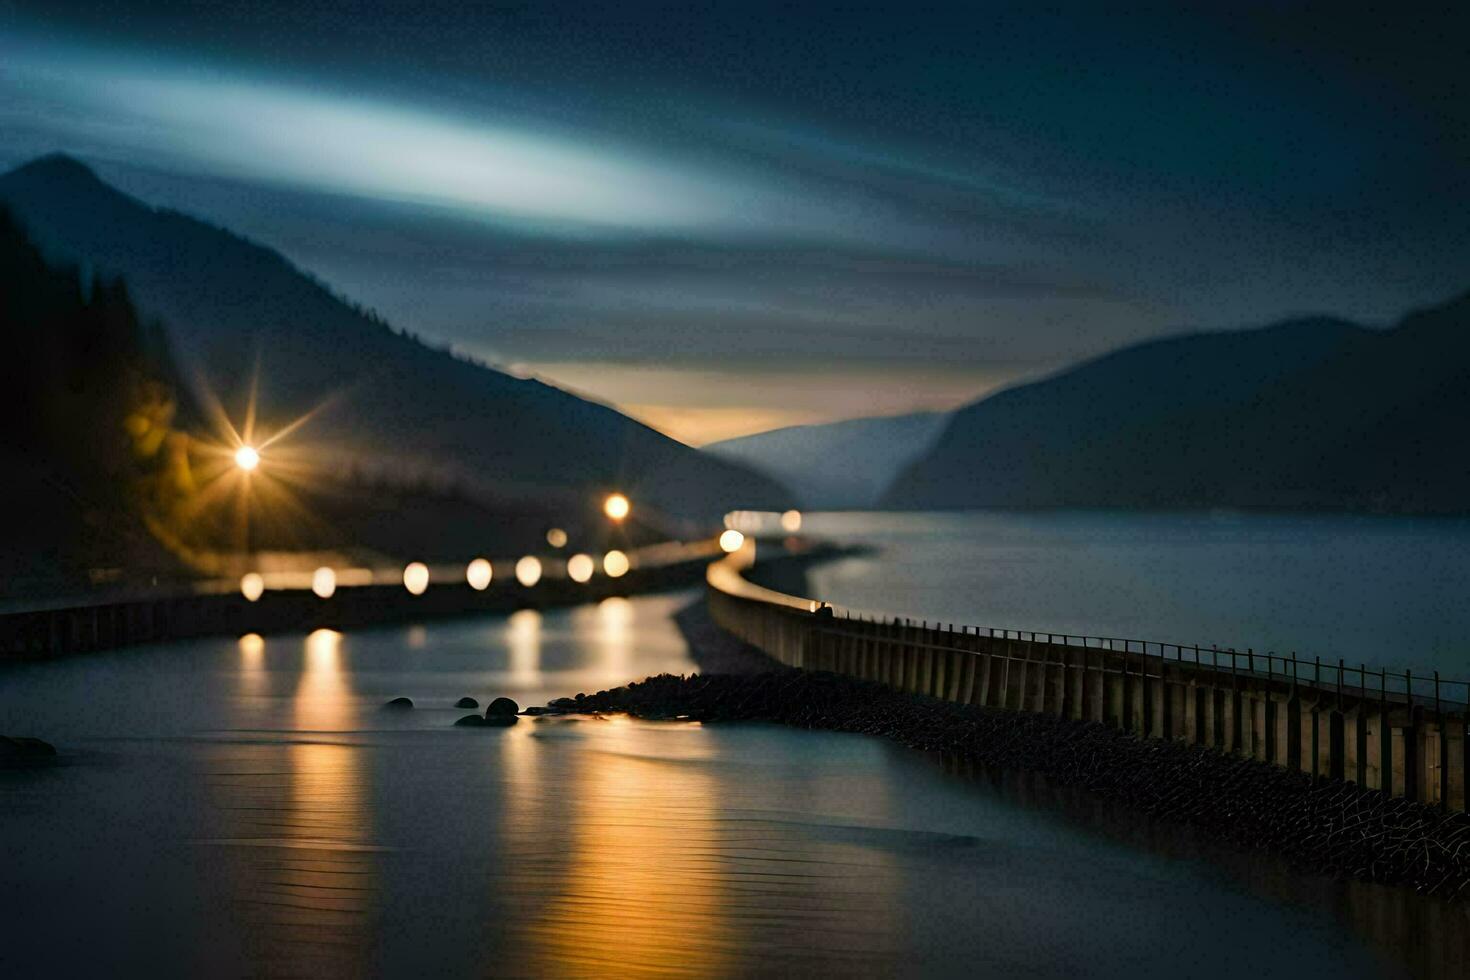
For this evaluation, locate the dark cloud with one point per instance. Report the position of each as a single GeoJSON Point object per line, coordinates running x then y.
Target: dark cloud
{"type": "Point", "coordinates": [993, 187]}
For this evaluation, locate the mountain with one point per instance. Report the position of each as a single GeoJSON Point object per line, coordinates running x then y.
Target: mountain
{"type": "Point", "coordinates": [839, 465]}
{"type": "Point", "coordinates": [1304, 414]}
{"type": "Point", "coordinates": [235, 310]}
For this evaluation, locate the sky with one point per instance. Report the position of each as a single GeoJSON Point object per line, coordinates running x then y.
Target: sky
{"type": "Point", "coordinates": [733, 217]}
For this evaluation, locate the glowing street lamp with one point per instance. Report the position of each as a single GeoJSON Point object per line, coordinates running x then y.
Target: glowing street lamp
{"type": "Point", "coordinates": [252, 586]}
{"type": "Point", "coordinates": [580, 568]}
{"type": "Point", "coordinates": [478, 573]}
{"type": "Point", "coordinates": [616, 506]}
{"type": "Point", "coordinates": [247, 458]}
{"type": "Point", "coordinates": [615, 564]}
{"type": "Point", "coordinates": [324, 582]}
{"type": "Point", "coordinates": [528, 571]}
{"type": "Point", "coordinates": [416, 578]}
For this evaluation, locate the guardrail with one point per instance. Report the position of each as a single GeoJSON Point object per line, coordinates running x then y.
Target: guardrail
{"type": "Point", "coordinates": [1396, 733]}
{"type": "Point", "coordinates": [289, 605]}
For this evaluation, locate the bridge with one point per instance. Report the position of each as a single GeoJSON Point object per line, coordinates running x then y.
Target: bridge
{"type": "Point", "coordinates": [1403, 734]}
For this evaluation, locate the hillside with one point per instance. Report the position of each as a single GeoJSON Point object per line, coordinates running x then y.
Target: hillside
{"type": "Point", "coordinates": [1310, 414]}
{"type": "Point", "coordinates": [385, 400]}
{"type": "Point", "coordinates": [841, 465]}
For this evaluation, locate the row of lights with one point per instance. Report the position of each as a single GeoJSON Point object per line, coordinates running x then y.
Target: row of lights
{"type": "Point", "coordinates": [760, 520]}
{"type": "Point", "coordinates": [478, 573]}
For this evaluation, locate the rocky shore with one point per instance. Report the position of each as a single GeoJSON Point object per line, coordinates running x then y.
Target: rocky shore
{"type": "Point", "coordinates": [1319, 825]}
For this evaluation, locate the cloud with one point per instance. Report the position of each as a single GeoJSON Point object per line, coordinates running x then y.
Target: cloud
{"type": "Point", "coordinates": [234, 125]}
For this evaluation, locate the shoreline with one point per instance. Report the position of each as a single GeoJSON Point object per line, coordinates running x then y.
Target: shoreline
{"type": "Point", "coordinates": [1319, 826]}
{"type": "Point", "coordinates": [110, 623]}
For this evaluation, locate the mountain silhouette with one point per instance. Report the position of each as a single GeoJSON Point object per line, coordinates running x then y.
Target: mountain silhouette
{"type": "Point", "coordinates": [839, 465]}
{"type": "Point", "coordinates": [235, 310]}
{"type": "Point", "coordinates": [1305, 414]}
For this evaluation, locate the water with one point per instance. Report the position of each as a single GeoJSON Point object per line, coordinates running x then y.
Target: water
{"type": "Point", "coordinates": [246, 807]}
{"type": "Point", "coordinates": [1389, 592]}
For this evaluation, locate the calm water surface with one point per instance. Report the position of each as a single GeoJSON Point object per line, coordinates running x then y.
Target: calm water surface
{"type": "Point", "coordinates": [247, 808]}
{"type": "Point", "coordinates": [1390, 592]}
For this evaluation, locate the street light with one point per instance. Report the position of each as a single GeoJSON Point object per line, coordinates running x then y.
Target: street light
{"type": "Point", "coordinates": [615, 564]}
{"type": "Point", "coordinates": [616, 506]}
{"type": "Point", "coordinates": [580, 568]}
{"type": "Point", "coordinates": [247, 458]}
{"type": "Point", "coordinates": [416, 578]}
{"type": "Point", "coordinates": [478, 573]}
{"type": "Point", "coordinates": [528, 571]}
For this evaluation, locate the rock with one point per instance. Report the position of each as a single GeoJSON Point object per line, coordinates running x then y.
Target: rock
{"type": "Point", "coordinates": [494, 721]}
{"type": "Point", "coordinates": [466, 703]}
{"type": "Point", "coordinates": [502, 706]}
{"type": "Point", "coordinates": [400, 703]}
{"type": "Point", "coordinates": [25, 751]}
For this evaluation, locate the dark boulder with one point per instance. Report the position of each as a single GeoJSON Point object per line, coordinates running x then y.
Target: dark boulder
{"type": "Point", "coordinates": [466, 703]}
{"type": "Point", "coordinates": [502, 707]}
{"type": "Point", "coordinates": [25, 751]}
{"type": "Point", "coordinates": [494, 721]}
{"type": "Point", "coordinates": [399, 703]}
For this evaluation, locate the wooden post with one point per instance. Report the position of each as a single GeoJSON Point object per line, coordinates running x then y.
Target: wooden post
{"type": "Point", "coordinates": [1413, 785]}
{"type": "Point", "coordinates": [1444, 748]}
{"type": "Point", "coordinates": [1316, 721]}
{"type": "Point", "coordinates": [1385, 736]}
{"type": "Point", "coordinates": [1293, 721]}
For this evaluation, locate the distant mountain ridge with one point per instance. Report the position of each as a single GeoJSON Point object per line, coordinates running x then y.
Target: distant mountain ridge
{"type": "Point", "coordinates": [229, 303]}
{"type": "Point", "coordinates": [839, 465]}
{"type": "Point", "coordinates": [1305, 414]}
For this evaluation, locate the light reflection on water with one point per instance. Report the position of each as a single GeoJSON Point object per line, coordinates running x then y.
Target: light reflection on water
{"type": "Point", "coordinates": [254, 797]}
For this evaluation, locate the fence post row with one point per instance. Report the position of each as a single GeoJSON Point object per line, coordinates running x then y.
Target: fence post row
{"type": "Point", "coordinates": [1396, 742]}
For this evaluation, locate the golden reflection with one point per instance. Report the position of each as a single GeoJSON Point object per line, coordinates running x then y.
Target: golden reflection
{"type": "Point", "coordinates": [523, 642]}
{"type": "Point", "coordinates": [615, 634]}
{"type": "Point", "coordinates": [556, 537]}
{"type": "Point", "coordinates": [318, 892]}
{"type": "Point", "coordinates": [253, 679]}
{"type": "Point", "coordinates": [644, 894]}
{"type": "Point", "coordinates": [791, 521]}
{"type": "Point", "coordinates": [323, 700]}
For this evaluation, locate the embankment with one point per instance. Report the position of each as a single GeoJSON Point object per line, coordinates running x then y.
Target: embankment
{"type": "Point", "coordinates": [1323, 825]}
